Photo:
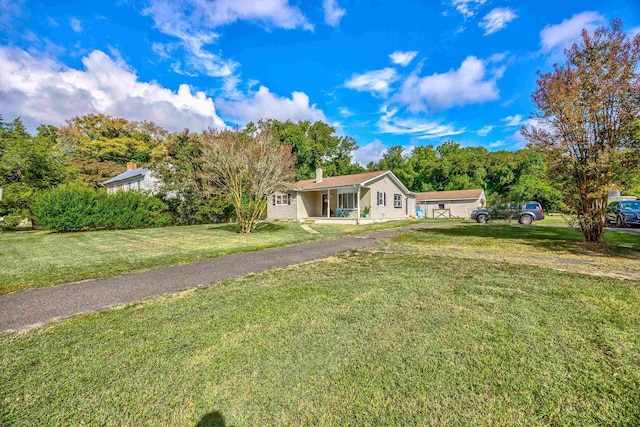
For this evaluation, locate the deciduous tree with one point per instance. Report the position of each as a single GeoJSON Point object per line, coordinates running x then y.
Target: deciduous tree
{"type": "Point", "coordinates": [247, 169]}
{"type": "Point", "coordinates": [586, 116]}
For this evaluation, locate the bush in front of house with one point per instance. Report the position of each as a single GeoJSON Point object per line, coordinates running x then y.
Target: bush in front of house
{"type": "Point", "coordinates": [74, 207]}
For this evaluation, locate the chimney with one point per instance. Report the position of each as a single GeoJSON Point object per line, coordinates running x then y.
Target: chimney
{"type": "Point", "coordinates": [131, 166]}
{"type": "Point", "coordinates": [319, 175]}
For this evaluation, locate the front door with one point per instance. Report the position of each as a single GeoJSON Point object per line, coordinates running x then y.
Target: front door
{"type": "Point", "coordinates": [325, 204]}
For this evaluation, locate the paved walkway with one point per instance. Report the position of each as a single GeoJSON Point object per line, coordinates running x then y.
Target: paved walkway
{"type": "Point", "coordinates": [32, 308]}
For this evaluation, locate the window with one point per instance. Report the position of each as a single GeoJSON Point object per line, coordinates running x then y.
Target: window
{"type": "Point", "coordinates": [348, 200]}
{"type": "Point", "coordinates": [440, 205]}
{"type": "Point", "coordinates": [532, 206]}
{"type": "Point", "coordinates": [397, 200]}
{"type": "Point", "coordinates": [281, 200]}
{"type": "Point", "coordinates": [382, 199]}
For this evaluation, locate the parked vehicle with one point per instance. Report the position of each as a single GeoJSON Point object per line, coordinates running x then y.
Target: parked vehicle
{"type": "Point", "coordinates": [624, 213]}
{"type": "Point", "coordinates": [524, 213]}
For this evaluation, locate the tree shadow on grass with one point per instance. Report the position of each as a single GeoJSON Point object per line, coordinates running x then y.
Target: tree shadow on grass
{"type": "Point", "coordinates": [212, 419]}
{"type": "Point", "coordinates": [262, 227]}
{"type": "Point", "coordinates": [554, 239]}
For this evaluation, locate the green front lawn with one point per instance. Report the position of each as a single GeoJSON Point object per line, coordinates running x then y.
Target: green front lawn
{"type": "Point", "coordinates": [401, 335]}
{"type": "Point", "coordinates": [31, 259]}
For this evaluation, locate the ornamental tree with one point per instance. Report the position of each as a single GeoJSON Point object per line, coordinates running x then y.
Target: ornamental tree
{"type": "Point", "coordinates": [247, 168]}
{"type": "Point", "coordinates": [586, 121]}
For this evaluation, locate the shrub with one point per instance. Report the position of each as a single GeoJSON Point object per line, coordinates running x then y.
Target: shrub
{"type": "Point", "coordinates": [75, 207]}
{"type": "Point", "coordinates": [10, 222]}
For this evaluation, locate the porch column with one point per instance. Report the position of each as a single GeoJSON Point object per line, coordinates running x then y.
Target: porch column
{"type": "Point", "coordinates": [328, 203]}
{"type": "Point", "coordinates": [358, 213]}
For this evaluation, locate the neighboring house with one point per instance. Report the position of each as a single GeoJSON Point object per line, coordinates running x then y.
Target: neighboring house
{"type": "Point", "coordinates": [451, 204]}
{"type": "Point", "coordinates": [343, 197]}
{"type": "Point", "coordinates": [135, 178]}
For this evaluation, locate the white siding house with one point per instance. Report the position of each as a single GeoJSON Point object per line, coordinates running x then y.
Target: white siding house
{"type": "Point", "coordinates": [345, 198]}
{"type": "Point", "coordinates": [134, 178]}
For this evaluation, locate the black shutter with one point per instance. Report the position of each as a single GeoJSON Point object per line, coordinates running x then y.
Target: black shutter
{"type": "Point", "coordinates": [288, 198]}
{"type": "Point", "coordinates": [274, 200]}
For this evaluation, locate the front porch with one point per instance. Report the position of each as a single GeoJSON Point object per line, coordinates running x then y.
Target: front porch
{"type": "Point", "coordinates": [335, 205]}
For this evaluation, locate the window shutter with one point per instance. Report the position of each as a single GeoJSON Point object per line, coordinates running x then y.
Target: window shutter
{"type": "Point", "coordinates": [274, 200]}
{"type": "Point", "coordinates": [288, 198]}
{"type": "Point", "coordinates": [385, 199]}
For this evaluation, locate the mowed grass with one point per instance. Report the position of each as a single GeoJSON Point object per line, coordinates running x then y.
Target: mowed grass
{"type": "Point", "coordinates": [392, 336]}
{"type": "Point", "coordinates": [559, 248]}
{"type": "Point", "coordinates": [39, 259]}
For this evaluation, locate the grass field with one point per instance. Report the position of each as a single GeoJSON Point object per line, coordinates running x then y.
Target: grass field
{"type": "Point", "coordinates": [31, 259]}
{"type": "Point", "coordinates": [442, 327]}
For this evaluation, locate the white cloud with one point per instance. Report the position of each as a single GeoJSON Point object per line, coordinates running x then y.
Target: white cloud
{"type": "Point", "coordinates": [512, 120]}
{"type": "Point", "coordinates": [497, 144]}
{"type": "Point", "coordinates": [9, 11]}
{"type": "Point", "coordinates": [75, 24]}
{"type": "Point", "coordinates": [420, 129]}
{"type": "Point", "coordinates": [42, 90]}
{"type": "Point", "coordinates": [468, 8]}
{"type": "Point", "coordinates": [333, 13]}
{"type": "Point", "coordinates": [371, 152]}
{"type": "Point", "coordinates": [471, 83]}
{"type": "Point", "coordinates": [634, 32]}
{"type": "Point", "coordinates": [194, 22]}
{"type": "Point", "coordinates": [378, 81]}
{"type": "Point", "coordinates": [484, 131]}
{"type": "Point", "coordinates": [403, 58]}
{"type": "Point", "coordinates": [563, 35]}
{"type": "Point", "coordinates": [262, 104]}
{"type": "Point", "coordinates": [496, 20]}
{"type": "Point", "coordinates": [180, 15]}
{"type": "Point", "coordinates": [345, 112]}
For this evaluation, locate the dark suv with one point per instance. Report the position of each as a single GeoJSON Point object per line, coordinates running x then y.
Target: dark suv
{"type": "Point", "coordinates": [525, 213]}
{"type": "Point", "coordinates": [624, 213]}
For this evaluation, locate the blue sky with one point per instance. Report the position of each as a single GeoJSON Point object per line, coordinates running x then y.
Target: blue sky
{"type": "Point", "coordinates": [399, 72]}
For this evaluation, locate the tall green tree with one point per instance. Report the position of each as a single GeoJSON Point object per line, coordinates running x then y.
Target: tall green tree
{"type": "Point", "coordinates": [314, 145]}
{"type": "Point", "coordinates": [587, 112]}
{"type": "Point", "coordinates": [178, 163]}
{"type": "Point", "coordinates": [100, 145]}
{"type": "Point", "coordinates": [28, 164]}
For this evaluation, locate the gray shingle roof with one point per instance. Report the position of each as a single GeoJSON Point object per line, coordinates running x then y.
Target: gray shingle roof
{"type": "Point", "coordinates": [127, 175]}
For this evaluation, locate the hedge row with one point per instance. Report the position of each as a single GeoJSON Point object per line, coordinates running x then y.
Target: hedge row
{"type": "Point", "coordinates": [75, 207]}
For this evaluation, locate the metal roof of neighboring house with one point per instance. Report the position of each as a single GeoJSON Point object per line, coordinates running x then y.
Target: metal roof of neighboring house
{"type": "Point", "coordinates": [451, 195]}
{"type": "Point", "coordinates": [338, 181]}
{"type": "Point", "coordinates": [127, 175]}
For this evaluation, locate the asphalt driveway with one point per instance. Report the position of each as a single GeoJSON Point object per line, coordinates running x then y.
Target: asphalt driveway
{"type": "Point", "coordinates": [32, 308]}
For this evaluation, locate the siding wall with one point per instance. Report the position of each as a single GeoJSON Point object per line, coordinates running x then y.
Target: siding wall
{"type": "Point", "coordinates": [285, 211]}
{"type": "Point", "coordinates": [388, 186]}
{"type": "Point", "coordinates": [147, 183]}
{"type": "Point", "coordinates": [459, 208]}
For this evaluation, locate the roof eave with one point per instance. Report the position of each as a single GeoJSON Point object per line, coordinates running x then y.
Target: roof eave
{"type": "Point", "coordinates": [447, 198]}
{"type": "Point", "coordinates": [328, 187]}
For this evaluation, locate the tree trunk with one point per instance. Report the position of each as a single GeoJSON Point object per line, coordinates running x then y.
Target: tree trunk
{"type": "Point", "coordinates": [592, 222]}
{"type": "Point", "coordinates": [593, 232]}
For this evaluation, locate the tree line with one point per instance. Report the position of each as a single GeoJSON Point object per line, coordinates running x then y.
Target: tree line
{"type": "Point", "coordinates": [90, 149]}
